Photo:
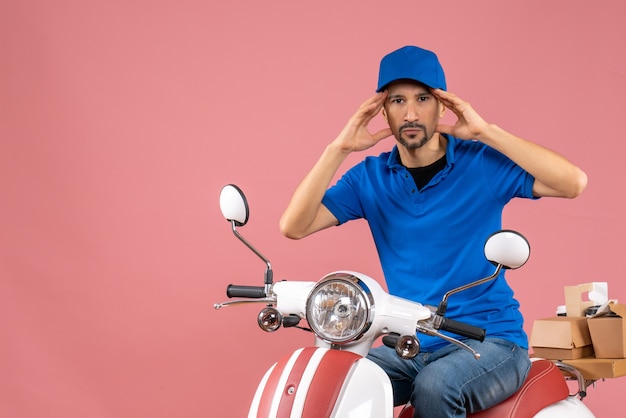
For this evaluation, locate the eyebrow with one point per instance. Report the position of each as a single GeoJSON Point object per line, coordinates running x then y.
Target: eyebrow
{"type": "Point", "coordinates": [401, 96]}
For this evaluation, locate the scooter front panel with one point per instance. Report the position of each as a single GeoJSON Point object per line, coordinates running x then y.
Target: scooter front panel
{"type": "Point", "coordinates": [304, 384]}
{"type": "Point", "coordinates": [366, 393]}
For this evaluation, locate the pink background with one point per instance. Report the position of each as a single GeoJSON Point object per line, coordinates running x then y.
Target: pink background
{"type": "Point", "coordinates": [120, 122]}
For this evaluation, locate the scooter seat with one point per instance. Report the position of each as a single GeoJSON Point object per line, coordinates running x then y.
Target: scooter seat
{"type": "Point", "coordinates": [543, 386]}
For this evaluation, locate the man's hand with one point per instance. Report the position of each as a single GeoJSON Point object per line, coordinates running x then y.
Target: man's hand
{"type": "Point", "coordinates": [554, 175]}
{"type": "Point", "coordinates": [305, 213]}
{"type": "Point", "coordinates": [469, 124]}
{"type": "Point", "coordinates": [356, 136]}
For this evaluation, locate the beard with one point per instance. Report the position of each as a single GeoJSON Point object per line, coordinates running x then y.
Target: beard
{"type": "Point", "coordinates": [420, 141]}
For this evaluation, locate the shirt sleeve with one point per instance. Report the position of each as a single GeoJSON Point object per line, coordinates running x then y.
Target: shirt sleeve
{"type": "Point", "coordinates": [506, 179]}
{"type": "Point", "coordinates": [343, 199]}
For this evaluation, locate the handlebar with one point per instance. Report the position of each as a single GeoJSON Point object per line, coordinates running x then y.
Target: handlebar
{"type": "Point", "coordinates": [445, 324]}
{"type": "Point", "coordinates": [238, 291]}
{"type": "Point", "coordinates": [463, 329]}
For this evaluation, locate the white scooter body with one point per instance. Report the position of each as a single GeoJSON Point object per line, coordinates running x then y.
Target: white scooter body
{"type": "Point", "coordinates": [324, 382]}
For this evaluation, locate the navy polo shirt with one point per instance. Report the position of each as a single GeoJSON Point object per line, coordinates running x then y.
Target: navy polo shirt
{"type": "Point", "coordinates": [431, 240]}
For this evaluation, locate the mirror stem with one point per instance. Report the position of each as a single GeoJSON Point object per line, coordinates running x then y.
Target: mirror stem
{"type": "Point", "coordinates": [269, 274]}
{"type": "Point", "coordinates": [441, 310]}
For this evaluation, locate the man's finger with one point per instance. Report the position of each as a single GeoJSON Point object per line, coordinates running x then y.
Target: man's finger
{"type": "Point", "coordinates": [382, 134]}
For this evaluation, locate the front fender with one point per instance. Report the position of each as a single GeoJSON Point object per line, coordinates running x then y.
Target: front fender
{"type": "Point", "coordinates": [317, 382]}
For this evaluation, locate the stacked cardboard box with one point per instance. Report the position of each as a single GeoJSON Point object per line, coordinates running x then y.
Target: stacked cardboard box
{"type": "Point", "coordinates": [608, 331]}
{"type": "Point", "coordinates": [561, 337]}
{"type": "Point", "coordinates": [595, 345]}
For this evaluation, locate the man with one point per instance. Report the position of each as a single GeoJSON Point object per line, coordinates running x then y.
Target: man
{"type": "Point", "coordinates": [431, 202]}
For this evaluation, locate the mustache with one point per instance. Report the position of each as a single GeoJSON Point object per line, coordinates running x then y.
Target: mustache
{"type": "Point", "coordinates": [412, 125]}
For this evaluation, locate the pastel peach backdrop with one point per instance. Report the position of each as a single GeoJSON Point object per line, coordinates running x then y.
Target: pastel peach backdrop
{"type": "Point", "coordinates": [121, 120]}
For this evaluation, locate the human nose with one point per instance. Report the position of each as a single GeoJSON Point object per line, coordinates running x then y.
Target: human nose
{"type": "Point", "coordinates": [411, 113]}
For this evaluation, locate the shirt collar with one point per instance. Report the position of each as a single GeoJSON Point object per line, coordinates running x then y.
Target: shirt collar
{"type": "Point", "coordinates": [394, 156]}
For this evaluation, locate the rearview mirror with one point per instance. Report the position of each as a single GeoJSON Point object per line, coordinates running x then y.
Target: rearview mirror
{"type": "Point", "coordinates": [234, 205]}
{"type": "Point", "coordinates": [507, 248]}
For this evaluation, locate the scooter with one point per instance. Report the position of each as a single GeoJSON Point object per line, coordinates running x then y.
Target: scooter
{"type": "Point", "coordinates": [347, 312]}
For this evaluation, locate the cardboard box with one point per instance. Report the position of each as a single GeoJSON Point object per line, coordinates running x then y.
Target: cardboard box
{"type": "Point", "coordinates": [561, 337]}
{"type": "Point", "coordinates": [608, 331]}
{"type": "Point", "coordinates": [596, 368]}
{"type": "Point", "coordinates": [582, 296]}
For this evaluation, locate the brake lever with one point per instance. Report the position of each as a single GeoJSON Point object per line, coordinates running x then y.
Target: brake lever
{"type": "Point", "coordinates": [434, 333]}
{"type": "Point", "coordinates": [242, 301]}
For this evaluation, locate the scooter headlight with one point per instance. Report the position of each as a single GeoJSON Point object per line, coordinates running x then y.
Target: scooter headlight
{"type": "Point", "coordinates": [340, 308]}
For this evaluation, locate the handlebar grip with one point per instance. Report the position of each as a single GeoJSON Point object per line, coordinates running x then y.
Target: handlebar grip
{"type": "Point", "coordinates": [463, 329]}
{"type": "Point", "coordinates": [237, 291]}
{"type": "Point", "coordinates": [390, 340]}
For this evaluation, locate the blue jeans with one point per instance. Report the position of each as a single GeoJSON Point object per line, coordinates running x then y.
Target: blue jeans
{"type": "Point", "coordinates": [449, 382]}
